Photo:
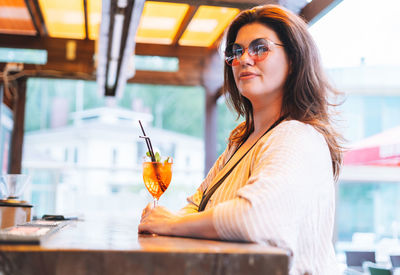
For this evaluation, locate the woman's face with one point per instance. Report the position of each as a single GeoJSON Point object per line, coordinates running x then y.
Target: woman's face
{"type": "Point", "coordinates": [261, 82]}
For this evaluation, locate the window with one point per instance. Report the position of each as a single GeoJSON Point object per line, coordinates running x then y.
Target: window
{"type": "Point", "coordinates": [367, 72]}
{"type": "Point", "coordinates": [76, 155]}
{"type": "Point", "coordinates": [114, 157]}
{"type": "Point", "coordinates": [66, 155]}
{"type": "Point", "coordinates": [156, 63]}
{"type": "Point", "coordinates": [28, 56]}
{"type": "Point", "coordinates": [103, 144]}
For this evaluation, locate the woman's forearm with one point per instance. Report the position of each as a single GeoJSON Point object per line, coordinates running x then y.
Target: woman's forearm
{"type": "Point", "coordinates": [188, 209]}
{"type": "Point", "coordinates": [160, 220]}
{"type": "Point", "coordinates": [198, 225]}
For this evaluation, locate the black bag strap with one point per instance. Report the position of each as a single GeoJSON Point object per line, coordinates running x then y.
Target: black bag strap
{"type": "Point", "coordinates": [206, 196]}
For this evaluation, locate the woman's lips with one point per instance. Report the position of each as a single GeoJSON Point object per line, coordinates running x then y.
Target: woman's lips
{"type": "Point", "coordinates": [247, 75]}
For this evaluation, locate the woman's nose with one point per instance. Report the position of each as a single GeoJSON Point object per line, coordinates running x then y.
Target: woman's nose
{"type": "Point", "coordinates": [246, 59]}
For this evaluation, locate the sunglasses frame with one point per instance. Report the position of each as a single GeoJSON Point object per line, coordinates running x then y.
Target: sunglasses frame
{"type": "Point", "coordinates": [270, 44]}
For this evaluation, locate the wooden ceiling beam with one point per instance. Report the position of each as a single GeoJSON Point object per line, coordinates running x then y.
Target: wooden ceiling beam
{"type": "Point", "coordinates": [239, 4]}
{"type": "Point", "coordinates": [56, 55]}
{"type": "Point", "coordinates": [190, 58]}
{"type": "Point", "coordinates": [171, 51]}
{"type": "Point", "coordinates": [316, 9]}
{"type": "Point", "coordinates": [21, 41]}
{"type": "Point", "coordinates": [164, 78]}
{"type": "Point", "coordinates": [72, 70]}
{"type": "Point", "coordinates": [37, 18]}
{"type": "Point", "coordinates": [185, 22]}
{"type": "Point", "coordinates": [85, 13]}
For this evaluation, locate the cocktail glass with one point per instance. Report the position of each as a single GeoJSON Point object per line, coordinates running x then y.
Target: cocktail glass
{"type": "Point", "coordinates": [157, 176]}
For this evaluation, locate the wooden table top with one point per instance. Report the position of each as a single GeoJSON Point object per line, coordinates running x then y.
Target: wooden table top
{"type": "Point", "coordinates": [111, 246]}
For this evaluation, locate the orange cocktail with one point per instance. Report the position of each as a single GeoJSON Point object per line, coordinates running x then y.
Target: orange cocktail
{"type": "Point", "coordinates": [157, 176]}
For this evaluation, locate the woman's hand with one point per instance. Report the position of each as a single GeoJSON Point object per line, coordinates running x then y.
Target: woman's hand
{"type": "Point", "coordinates": [157, 220]}
{"type": "Point", "coordinates": [161, 221]}
{"type": "Point", "coordinates": [146, 211]}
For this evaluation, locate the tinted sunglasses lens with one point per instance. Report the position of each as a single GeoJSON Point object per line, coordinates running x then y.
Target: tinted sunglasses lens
{"type": "Point", "coordinates": [258, 49]}
{"type": "Point", "coordinates": [233, 54]}
{"type": "Point", "coordinates": [228, 55]}
{"type": "Point", "coordinates": [229, 60]}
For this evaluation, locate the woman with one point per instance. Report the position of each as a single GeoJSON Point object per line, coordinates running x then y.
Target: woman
{"type": "Point", "coordinates": [274, 184]}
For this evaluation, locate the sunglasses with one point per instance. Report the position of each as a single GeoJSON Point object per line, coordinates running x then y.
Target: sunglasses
{"type": "Point", "coordinates": [257, 51]}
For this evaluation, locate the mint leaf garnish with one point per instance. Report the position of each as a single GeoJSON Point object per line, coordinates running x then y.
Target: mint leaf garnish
{"type": "Point", "coordinates": [158, 157]}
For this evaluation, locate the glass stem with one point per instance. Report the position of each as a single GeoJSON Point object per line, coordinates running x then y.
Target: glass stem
{"type": "Point", "coordinates": [155, 202]}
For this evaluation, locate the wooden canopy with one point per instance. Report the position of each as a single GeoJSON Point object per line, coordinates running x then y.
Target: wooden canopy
{"type": "Point", "coordinates": [86, 54]}
{"type": "Point", "coordinates": [191, 59]}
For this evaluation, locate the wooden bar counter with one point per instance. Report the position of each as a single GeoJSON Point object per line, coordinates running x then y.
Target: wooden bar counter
{"type": "Point", "coordinates": [108, 246]}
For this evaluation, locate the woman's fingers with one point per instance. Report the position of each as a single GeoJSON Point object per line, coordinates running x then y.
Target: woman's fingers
{"type": "Point", "coordinates": [143, 229]}
{"type": "Point", "coordinates": [146, 211]}
{"type": "Point", "coordinates": [153, 215]}
{"type": "Point", "coordinates": [150, 221]}
{"type": "Point", "coordinates": [156, 220]}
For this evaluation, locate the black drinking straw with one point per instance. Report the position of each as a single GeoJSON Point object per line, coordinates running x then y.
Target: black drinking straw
{"type": "Point", "coordinates": [153, 158]}
{"type": "Point", "coordinates": [148, 143]}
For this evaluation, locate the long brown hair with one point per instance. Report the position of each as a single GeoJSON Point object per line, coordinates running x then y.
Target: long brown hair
{"type": "Point", "coordinates": [306, 89]}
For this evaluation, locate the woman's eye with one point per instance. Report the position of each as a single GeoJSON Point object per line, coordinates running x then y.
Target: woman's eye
{"type": "Point", "coordinates": [260, 49]}
{"type": "Point", "coordinates": [237, 52]}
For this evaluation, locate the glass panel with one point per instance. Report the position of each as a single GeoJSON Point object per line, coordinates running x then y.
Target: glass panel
{"type": "Point", "coordinates": [368, 218]}
{"type": "Point", "coordinates": [160, 22]}
{"type": "Point", "coordinates": [207, 25]}
{"type": "Point", "coordinates": [64, 19]}
{"type": "Point", "coordinates": [226, 121]}
{"type": "Point", "coordinates": [156, 63]}
{"type": "Point", "coordinates": [366, 68]}
{"type": "Point", "coordinates": [83, 150]}
{"type": "Point", "coordinates": [15, 18]}
{"type": "Point", "coordinates": [94, 18]}
{"type": "Point", "coordinates": [28, 56]}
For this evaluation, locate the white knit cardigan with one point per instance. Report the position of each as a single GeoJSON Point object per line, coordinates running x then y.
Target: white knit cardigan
{"type": "Point", "coordinates": [282, 193]}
